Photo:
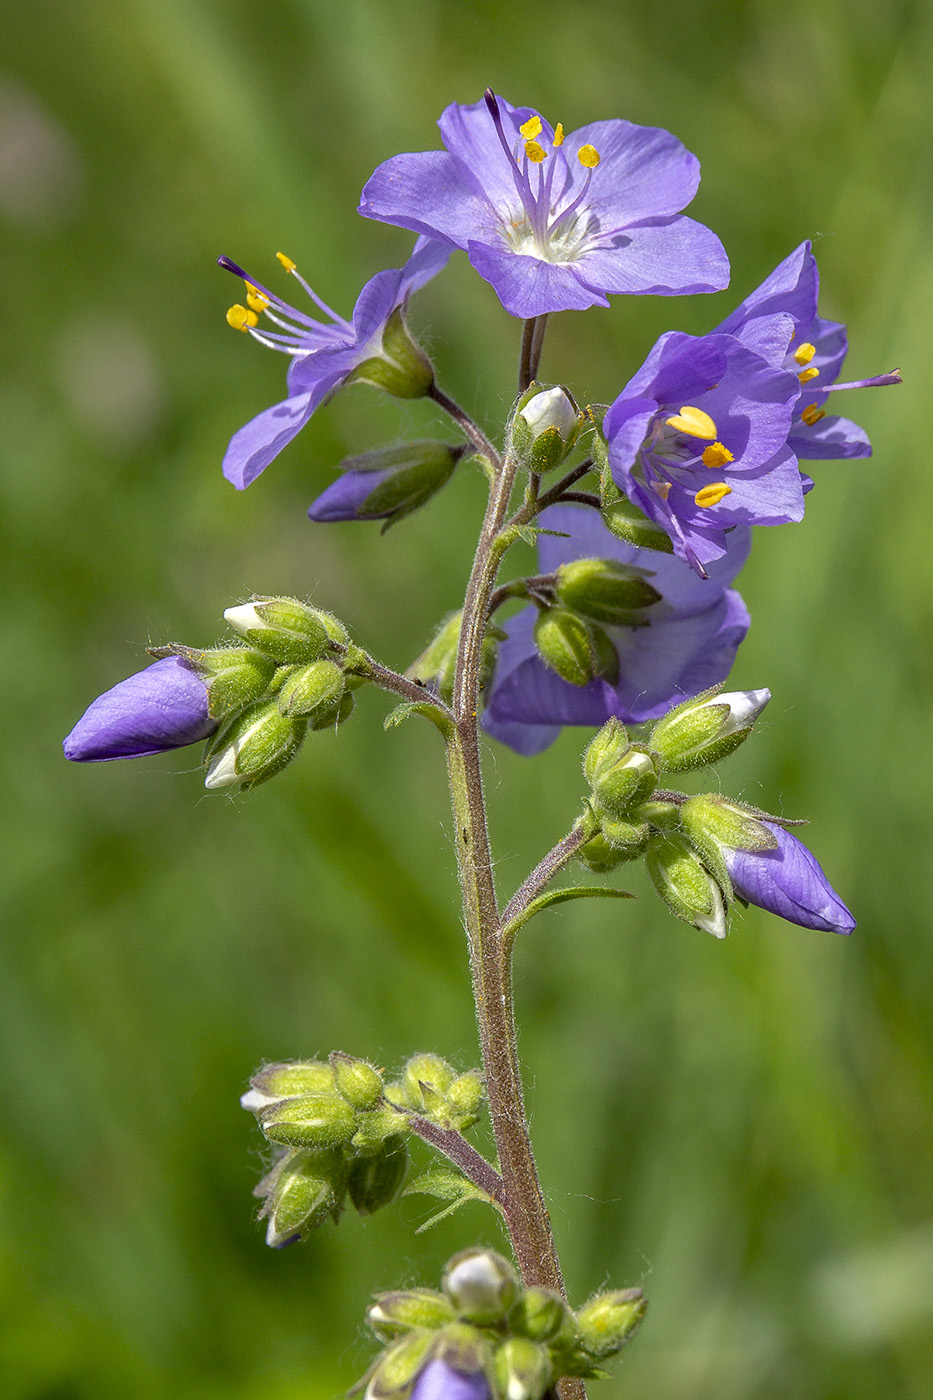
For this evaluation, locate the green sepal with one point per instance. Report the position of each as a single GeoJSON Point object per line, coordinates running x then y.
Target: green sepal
{"type": "Point", "coordinates": [301, 1191]}
{"type": "Point", "coordinates": [622, 786]}
{"type": "Point", "coordinates": [426, 1069]}
{"type": "Point", "coordinates": [712, 823]}
{"type": "Point", "coordinates": [567, 645]}
{"type": "Point", "coordinates": [373, 1128]}
{"type": "Point", "coordinates": [314, 1121]}
{"type": "Point", "coordinates": [605, 749]}
{"type": "Point", "coordinates": [356, 1081]}
{"type": "Point", "coordinates": [285, 629]}
{"type": "Point", "coordinates": [403, 369]}
{"type": "Point", "coordinates": [541, 1314]}
{"type": "Point", "coordinates": [599, 856]}
{"type": "Point", "coordinates": [624, 519]}
{"type": "Point", "coordinates": [394, 1314]}
{"type": "Point", "coordinates": [393, 1374]}
{"type": "Point", "coordinates": [606, 1323]}
{"type": "Point", "coordinates": [311, 690]}
{"type": "Point", "coordinates": [333, 715]}
{"type": "Point", "coordinates": [252, 747]}
{"type": "Point", "coordinates": [629, 838]}
{"type": "Point", "coordinates": [374, 1180]}
{"type": "Point", "coordinates": [686, 886]}
{"type": "Point", "coordinates": [606, 591]}
{"type": "Point", "coordinates": [523, 1369]}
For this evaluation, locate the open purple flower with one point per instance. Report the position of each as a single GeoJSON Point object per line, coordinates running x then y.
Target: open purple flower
{"type": "Point", "coordinates": [440, 1381]}
{"type": "Point", "coordinates": [163, 707]}
{"type": "Point", "coordinates": [372, 346]}
{"type": "Point", "coordinates": [779, 320]}
{"type": "Point", "coordinates": [789, 882]}
{"type": "Point", "coordinates": [686, 642]}
{"type": "Point", "coordinates": [555, 222]}
{"type": "Point", "coordinates": [698, 441]}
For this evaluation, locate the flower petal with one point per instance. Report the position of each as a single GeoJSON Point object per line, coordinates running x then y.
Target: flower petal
{"type": "Point", "coordinates": [666, 257]}
{"type": "Point", "coordinates": [643, 172]}
{"type": "Point", "coordinates": [528, 286]}
{"type": "Point", "coordinates": [261, 440]}
{"type": "Point", "coordinates": [789, 882]}
{"type": "Point", "coordinates": [163, 707]}
{"type": "Point", "coordinates": [432, 193]}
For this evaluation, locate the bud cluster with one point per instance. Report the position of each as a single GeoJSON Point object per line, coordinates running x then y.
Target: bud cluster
{"type": "Point", "coordinates": [340, 1130]}
{"type": "Point", "coordinates": [543, 427]}
{"type": "Point", "coordinates": [516, 1343]}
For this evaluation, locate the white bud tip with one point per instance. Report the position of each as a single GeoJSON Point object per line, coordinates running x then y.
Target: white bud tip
{"type": "Point", "coordinates": [744, 708]}
{"type": "Point", "coordinates": [222, 772]}
{"type": "Point", "coordinates": [715, 921]}
{"type": "Point", "coordinates": [243, 618]}
{"type": "Point", "coordinates": [550, 409]}
{"type": "Point", "coordinates": [254, 1101]}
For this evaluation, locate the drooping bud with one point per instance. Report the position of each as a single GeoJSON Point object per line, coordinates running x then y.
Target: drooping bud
{"type": "Point", "coordinates": [287, 1081]}
{"type": "Point", "coordinates": [387, 484]}
{"type": "Point", "coordinates": [606, 1323]}
{"type": "Point", "coordinates": [706, 729]}
{"type": "Point", "coordinates": [577, 650]}
{"type": "Point", "coordinates": [401, 367]}
{"type": "Point", "coordinates": [523, 1369]}
{"type": "Point", "coordinates": [374, 1180]}
{"type": "Point", "coordinates": [686, 886]}
{"type": "Point", "coordinates": [540, 1314]}
{"type": "Point", "coordinates": [606, 590]}
{"type": "Point", "coordinates": [253, 747]}
{"type": "Point", "coordinates": [621, 786]}
{"type": "Point", "coordinates": [333, 715]}
{"type": "Point", "coordinates": [544, 427]}
{"type": "Point", "coordinates": [393, 1314]}
{"type": "Point", "coordinates": [481, 1285]}
{"type": "Point", "coordinates": [315, 1121]}
{"type": "Point", "coordinates": [358, 1082]}
{"type": "Point", "coordinates": [161, 708]}
{"type": "Point", "coordinates": [299, 1193]}
{"type": "Point", "coordinates": [599, 856]}
{"type": "Point", "coordinates": [311, 690]}
{"type": "Point", "coordinates": [283, 628]}
{"type": "Point", "coordinates": [629, 839]}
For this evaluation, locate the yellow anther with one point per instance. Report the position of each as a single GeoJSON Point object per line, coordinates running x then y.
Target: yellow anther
{"type": "Point", "coordinates": [662, 489]}
{"type": "Point", "coordinates": [716, 455]}
{"type": "Point", "coordinates": [693, 421]}
{"type": "Point", "coordinates": [287, 263]}
{"type": "Point", "coordinates": [531, 128]}
{"type": "Point", "coordinates": [806, 375]}
{"type": "Point", "coordinates": [535, 152]}
{"type": "Point", "coordinates": [588, 156]}
{"type": "Point", "coordinates": [804, 353]}
{"type": "Point", "coordinates": [812, 414]}
{"type": "Point", "coordinates": [255, 299]}
{"type": "Point", "coordinates": [559, 134]}
{"type": "Point", "coordinates": [712, 495]}
{"type": "Point", "coordinates": [240, 319]}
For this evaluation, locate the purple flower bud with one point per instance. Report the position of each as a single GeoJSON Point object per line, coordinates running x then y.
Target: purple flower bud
{"type": "Point", "coordinates": [438, 1381]}
{"type": "Point", "coordinates": [789, 882]}
{"type": "Point", "coordinates": [163, 707]}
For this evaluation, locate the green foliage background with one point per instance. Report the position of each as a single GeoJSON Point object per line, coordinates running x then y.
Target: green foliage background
{"type": "Point", "coordinates": [745, 1128]}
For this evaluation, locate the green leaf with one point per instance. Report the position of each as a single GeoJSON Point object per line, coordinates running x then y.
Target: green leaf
{"type": "Point", "coordinates": [544, 901]}
{"type": "Point", "coordinates": [416, 707]}
{"type": "Point", "coordinates": [445, 1186]}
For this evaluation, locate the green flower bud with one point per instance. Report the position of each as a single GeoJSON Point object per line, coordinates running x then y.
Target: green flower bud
{"type": "Point", "coordinates": [411, 475]}
{"type": "Point", "coordinates": [686, 886]}
{"type": "Point", "coordinates": [436, 665]}
{"type": "Point", "coordinates": [544, 427]}
{"type": "Point", "coordinates": [299, 1193]}
{"type": "Point", "coordinates": [606, 1323]}
{"type": "Point", "coordinates": [393, 1314]}
{"type": "Point", "coordinates": [428, 1070]}
{"type": "Point", "coordinates": [395, 1372]}
{"type": "Point", "coordinates": [334, 715]}
{"type": "Point", "coordinates": [464, 1096]}
{"type": "Point", "coordinates": [523, 1369]}
{"type": "Point", "coordinates": [620, 787]}
{"type": "Point", "coordinates": [706, 729]}
{"type": "Point", "coordinates": [605, 749]}
{"type": "Point", "coordinates": [624, 520]}
{"type": "Point", "coordinates": [599, 856]}
{"type": "Point", "coordinates": [659, 814]}
{"type": "Point", "coordinates": [463, 1349]}
{"type": "Point", "coordinates": [606, 591]}
{"type": "Point", "coordinates": [712, 823]}
{"type": "Point", "coordinates": [481, 1285]}
{"type": "Point", "coordinates": [287, 1081]}
{"type": "Point", "coordinates": [283, 628]}
{"type": "Point", "coordinates": [375, 1180]}
{"type": "Point", "coordinates": [311, 690]}
{"type": "Point", "coordinates": [568, 645]}
{"type": "Point", "coordinates": [540, 1314]}
{"type": "Point", "coordinates": [374, 1127]}
{"type": "Point", "coordinates": [358, 1082]}
{"type": "Point", "coordinates": [253, 747]}
{"type": "Point", "coordinates": [401, 368]}
{"type": "Point", "coordinates": [315, 1121]}
{"type": "Point", "coordinates": [629, 839]}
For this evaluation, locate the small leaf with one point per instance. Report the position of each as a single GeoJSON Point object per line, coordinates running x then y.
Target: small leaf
{"type": "Point", "coordinates": [445, 1186]}
{"type": "Point", "coordinates": [416, 707]}
{"type": "Point", "coordinates": [544, 901]}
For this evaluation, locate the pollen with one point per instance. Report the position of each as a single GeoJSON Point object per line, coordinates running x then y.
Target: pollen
{"type": "Point", "coordinates": [804, 353]}
{"type": "Point", "coordinates": [255, 299]}
{"type": "Point", "coordinates": [588, 156]}
{"type": "Point", "coordinates": [812, 414]}
{"type": "Point", "coordinates": [286, 262]}
{"type": "Point", "coordinates": [716, 455]}
{"type": "Point", "coordinates": [712, 495]}
{"type": "Point", "coordinates": [535, 152]}
{"type": "Point", "coordinates": [531, 128]}
{"type": "Point", "coordinates": [240, 319]}
{"type": "Point", "coordinates": [559, 134]}
{"type": "Point", "coordinates": [693, 421]}
{"type": "Point", "coordinates": [807, 374]}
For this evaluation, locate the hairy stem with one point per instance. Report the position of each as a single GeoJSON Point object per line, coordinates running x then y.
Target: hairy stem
{"type": "Point", "coordinates": [466, 424]}
{"type": "Point", "coordinates": [464, 1156]}
{"type": "Point", "coordinates": [544, 872]}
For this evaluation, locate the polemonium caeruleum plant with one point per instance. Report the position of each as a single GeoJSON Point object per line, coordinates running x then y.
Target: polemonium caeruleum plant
{"type": "Point", "coordinates": [641, 512]}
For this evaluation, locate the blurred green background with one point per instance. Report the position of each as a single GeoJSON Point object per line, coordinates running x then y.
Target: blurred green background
{"type": "Point", "coordinates": [743, 1128]}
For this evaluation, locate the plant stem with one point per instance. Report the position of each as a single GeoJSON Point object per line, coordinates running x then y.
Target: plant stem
{"type": "Point", "coordinates": [465, 423]}
{"type": "Point", "coordinates": [543, 873]}
{"type": "Point", "coordinates": [463, 1155]}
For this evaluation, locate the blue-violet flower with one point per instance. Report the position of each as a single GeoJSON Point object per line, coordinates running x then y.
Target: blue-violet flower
{"type": "Point", "coordinates": [789, 882]}
{"type": "Point", "coordinates": [163, 707]}
{"type": "Point", "coordinates": [440, 1381]}
{"type": "Point", "coordinates": [555, 222]}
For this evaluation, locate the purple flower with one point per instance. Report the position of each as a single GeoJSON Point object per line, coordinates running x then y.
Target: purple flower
{"type": "Point", "coordinates": [163, 707]}
{"type": "Point", "coordinates": [388, 483]}
{"type": "Point", "coordinates": [789, 882]}
{"type": "Point", "coordinates": [324, 356]}
{"type": "Point", "coordinates": [698, 441]}
{"type": "Point", "coordinates": [687, 645]}
{"type": "Point", "coordinates": [554, 222]}
{"type": "Point", "coordinates": [779, 320]}
{"type": "Point", "coordinates": [440, 1381]}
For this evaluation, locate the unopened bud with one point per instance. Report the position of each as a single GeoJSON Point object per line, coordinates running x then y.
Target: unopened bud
{"type": "Point", "coordinates": [395, 1372]}
{"type": "Point", "coordinates": [463, 1349]}
{"type": "Point", "coordinates": [523, 1369]}
{"type": "Point", "coordinates": [358, 1082]}
{"type": "Point", "coordinates": [576, 650]}
{"type": "Point", "coordinates": [374, 1127]}
{"type": "Point", "coordinates": [706, 729]}
{"type": "Point", "coordinates": [715, 824]}
{"type": "Point", "coordinates": [599, 856]}
{"type": "Point", "coordinates": [686, 886]}
{"type": "Point", "coordinates": [605, 749]}
{"type": "Point", "coordinates": [374, 1180]}
{"type": "Point", "coordinates": [630, 839]}
{"type": "Point", "coordinates": [311, 690]}
{"type": "Point", "coordinates": [481, 1285]}
{"type": "Point", "coordinates": [606, 590]}
{"type": "Point", "coordinates": [253, 747]}
{"type": "Point", "coordinates": [287, 1081]}
{"type": "Point", "coordinates": [436, 665]}
{"type": "Point", "coordinates": [333, 715]}
{"type": "Point", "coordinates": [393, 1314]}
{"type": "Point", "coordinates": [621, 786]}
{"type": "Point", "coordinates": [235, 676]}
{"type": "Point", "coordinates": [464, 1097]}
{"type": "Point", "coordinates": [544, 428]}
{"type": "Point", "coordinates": [388, 483]}
{"type": "Point", "coordinates": [428, 1070]}
{"type": "Point", "coordinates": [299, 1193]}
{"type": "Point", "coordinates": [539, 1314]}
{"type": "Point", "coordinates": [624, 520]}
{"type": "Point", "coordinates": [315, 1121]}
{"type": "Point", "coordinates": [283, 628]}
{"type": "Point", "coordinates": [606, 1323]}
